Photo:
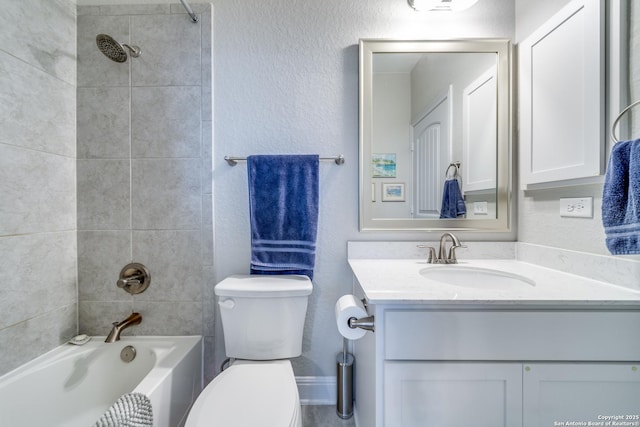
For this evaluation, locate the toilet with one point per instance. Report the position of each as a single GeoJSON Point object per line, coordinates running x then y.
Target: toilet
{"type": "Point", "coordinates": [263, 320]}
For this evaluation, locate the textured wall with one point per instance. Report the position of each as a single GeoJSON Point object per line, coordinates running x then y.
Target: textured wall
{"type": "Point", "coordinates": [286, 81]}
{"type": "Point", "coordinates": [37, 178]}
{"type": "Point", "coordinates": [144, 169]}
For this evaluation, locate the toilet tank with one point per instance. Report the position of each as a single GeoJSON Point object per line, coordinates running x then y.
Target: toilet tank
{"type": "Point", "coordinates": [263, 316]}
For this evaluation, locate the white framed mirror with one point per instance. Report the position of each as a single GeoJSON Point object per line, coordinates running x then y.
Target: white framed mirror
{"type": "Point", "coordinates": [435, 135]}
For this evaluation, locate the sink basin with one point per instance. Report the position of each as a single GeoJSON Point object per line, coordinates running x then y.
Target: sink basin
{"type": "Point", "coordinates": [475, 277]}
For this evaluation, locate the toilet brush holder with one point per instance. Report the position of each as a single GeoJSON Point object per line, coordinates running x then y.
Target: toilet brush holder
{"type": "Point", "coordinates": [344, 365]}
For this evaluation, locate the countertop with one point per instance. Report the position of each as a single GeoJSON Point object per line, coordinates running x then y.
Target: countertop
{"type": "Point", "coordinates": [398, 281]}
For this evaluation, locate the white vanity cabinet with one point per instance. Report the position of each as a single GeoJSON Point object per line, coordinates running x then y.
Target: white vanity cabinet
{"type": "Point", "coordinates": [581, 392]}
{"type": "Point", "coordinates": [452, 394]}
{"type": "Point", "coordinates": [449, 365]}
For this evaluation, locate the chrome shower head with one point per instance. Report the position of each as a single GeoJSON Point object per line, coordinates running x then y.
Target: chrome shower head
{"type": "Point", "coordinates": [114, 50]}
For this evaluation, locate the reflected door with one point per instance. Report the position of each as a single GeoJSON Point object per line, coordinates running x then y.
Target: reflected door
{"type": "Point", "coordinates": [431, 148]}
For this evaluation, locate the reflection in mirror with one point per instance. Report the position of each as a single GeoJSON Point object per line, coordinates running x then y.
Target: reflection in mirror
{"type": "Point", "coordinates": [434, 148]}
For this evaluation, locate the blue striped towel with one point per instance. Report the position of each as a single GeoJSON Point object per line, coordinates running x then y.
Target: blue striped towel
{"type": "Point", "coordinates": [621, 199]}
{"type": "Point", "coordinates": [452, 201]}
{"type": "Point", "coordinates": [283, 199]}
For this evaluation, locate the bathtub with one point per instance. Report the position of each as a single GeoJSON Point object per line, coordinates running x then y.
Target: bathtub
{"type": "Point", "coordinates": [72, 386]}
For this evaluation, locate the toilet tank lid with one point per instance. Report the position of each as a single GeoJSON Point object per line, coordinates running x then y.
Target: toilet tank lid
{"type": "Point", "coordinates": [267, 286]}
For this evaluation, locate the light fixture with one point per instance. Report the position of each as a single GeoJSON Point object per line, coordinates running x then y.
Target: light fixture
{"type": "Point", "coordinates": [441, 5]}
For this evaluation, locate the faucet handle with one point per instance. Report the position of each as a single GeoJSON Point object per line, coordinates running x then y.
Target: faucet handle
{"type": "Point", "coordinates": [451, 259]}
{"type": "Point", "coordinates": [134, 278]}
{"type": "Point", "coordinates": [432, 258]}
{"type": "Point", "coordinates": [125, 283]}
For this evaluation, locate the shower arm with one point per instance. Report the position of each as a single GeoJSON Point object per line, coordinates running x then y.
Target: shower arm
{"type": "Point", "coordinates": [193, 16]}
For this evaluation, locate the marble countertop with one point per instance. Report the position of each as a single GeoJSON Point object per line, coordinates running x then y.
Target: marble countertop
{"type": "Point", "coordinates": [398, 281]}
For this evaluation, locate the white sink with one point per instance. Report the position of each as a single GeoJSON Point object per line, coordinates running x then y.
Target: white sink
{"type": "Point", "coordinates": [475, 277]}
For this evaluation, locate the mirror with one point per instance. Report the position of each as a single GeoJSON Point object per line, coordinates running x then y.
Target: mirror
{"type": "Point", "coordinates": [435, 135]}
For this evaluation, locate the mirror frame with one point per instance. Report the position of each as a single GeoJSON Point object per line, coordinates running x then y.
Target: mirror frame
{"type": "Point", "coordinates": [504, 162]}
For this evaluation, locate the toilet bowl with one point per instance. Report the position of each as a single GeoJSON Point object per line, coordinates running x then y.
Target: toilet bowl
{"type": "Point", "coordinates": [262, 320]}
{"type": "Point", "coordinates": [249, 393]}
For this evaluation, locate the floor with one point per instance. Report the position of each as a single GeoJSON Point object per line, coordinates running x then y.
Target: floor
{"type": "Point", "coordinates": [323, 416]}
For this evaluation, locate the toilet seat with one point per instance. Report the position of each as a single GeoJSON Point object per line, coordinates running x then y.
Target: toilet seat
{"type": "Point", "coordinates": [249, 393]}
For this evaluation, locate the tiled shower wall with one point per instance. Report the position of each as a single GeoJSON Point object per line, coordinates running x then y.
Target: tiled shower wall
{"type": "Point", "coordinates": [144, 169]}
{"type": "Point", "coordinates": [37, 178]}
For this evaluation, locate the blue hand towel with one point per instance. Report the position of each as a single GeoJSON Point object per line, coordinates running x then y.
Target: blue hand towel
{"type": "Point", "coordinates": [621, 199]}
{"type": "Point", "coordinates": [452, 202]}
{"type": "Point", "coordinates": [283, 198]}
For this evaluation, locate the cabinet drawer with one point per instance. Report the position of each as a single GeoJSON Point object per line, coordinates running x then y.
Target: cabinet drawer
{"type": "Point", "coordinates": [511, 335]}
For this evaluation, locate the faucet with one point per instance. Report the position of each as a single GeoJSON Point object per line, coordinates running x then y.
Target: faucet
{"type": "Point", "coordinates": [449, 258]}
{"type": "Point", "coordinates": [443, 257]}
{"type": "Point", "coordinates": [114, 335]}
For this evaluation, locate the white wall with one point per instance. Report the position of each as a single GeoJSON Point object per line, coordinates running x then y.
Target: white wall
{"type": "Point", "coordinates": [392, 114]}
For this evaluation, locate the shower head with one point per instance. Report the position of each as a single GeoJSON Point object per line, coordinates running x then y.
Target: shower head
{"type": "Point", "coordinates": [114, 50]}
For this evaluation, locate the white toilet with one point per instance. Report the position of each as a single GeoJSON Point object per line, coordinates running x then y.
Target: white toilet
{"type": "Point", "coordinates": [263, 319]}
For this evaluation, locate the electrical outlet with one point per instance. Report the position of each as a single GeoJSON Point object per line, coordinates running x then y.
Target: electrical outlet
{"type": "Point", "coordinates": [480, 208]}
{"type": "Point", "coordinates": [580, 207]}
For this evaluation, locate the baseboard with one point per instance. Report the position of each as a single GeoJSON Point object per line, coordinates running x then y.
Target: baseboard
{"type": "Point", "coordinates": [317, 390]}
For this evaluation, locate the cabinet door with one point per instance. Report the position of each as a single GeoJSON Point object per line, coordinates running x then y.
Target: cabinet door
{"type": "Point", "coordinates": [561, 74]}
{"type": "Point", "coordinates": [479, 132]}
{"type": "Point", "coordinates": [445, 394]}
{"type": "Point", "coordinates": [582, 393]}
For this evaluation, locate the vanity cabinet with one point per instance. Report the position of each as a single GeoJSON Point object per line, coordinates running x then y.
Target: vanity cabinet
{"type": "Point", "coordinates": [491, 365]}
{"type": "Point", "coordinates": [581, 392]}
{"type": "Point", "coordinates": [452, 394]}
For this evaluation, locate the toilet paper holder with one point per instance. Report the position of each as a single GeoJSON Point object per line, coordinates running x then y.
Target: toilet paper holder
{"type": "Point", "coordinates": [366, 323]}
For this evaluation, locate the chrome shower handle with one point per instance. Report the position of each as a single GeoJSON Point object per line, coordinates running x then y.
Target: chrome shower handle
{"type": "Point", "coordinates": [136, 279]}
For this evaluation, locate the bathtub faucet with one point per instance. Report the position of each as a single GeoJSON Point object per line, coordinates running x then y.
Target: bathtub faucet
{"type": "Point", "coordinates": [114, 335]}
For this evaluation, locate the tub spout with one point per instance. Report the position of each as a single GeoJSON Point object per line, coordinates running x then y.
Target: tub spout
{"type": "Point", "coordinates": [114, 335]}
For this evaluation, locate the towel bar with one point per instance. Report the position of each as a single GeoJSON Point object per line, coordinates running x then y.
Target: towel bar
{"type": "Point", "coordinates": [614, 138]}
{"type": "Point", "coordinates": [232, 161]}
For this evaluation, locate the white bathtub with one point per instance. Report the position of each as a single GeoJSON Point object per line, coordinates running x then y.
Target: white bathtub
{"type": "Point", "coordinates": [74, 385]}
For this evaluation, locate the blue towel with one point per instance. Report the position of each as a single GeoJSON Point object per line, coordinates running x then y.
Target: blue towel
{"type": "Point", "coordinates": [283, 198]}
{"type": "Point", "coordinates": [452, 202]}
{"type": "Point", "coordinates": [621, 199]}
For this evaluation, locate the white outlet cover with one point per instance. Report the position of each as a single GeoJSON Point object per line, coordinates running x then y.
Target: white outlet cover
{"type": "Point", "coordinates": [480, 208]}
{"type": "Point", "coordinates": [577, 207]}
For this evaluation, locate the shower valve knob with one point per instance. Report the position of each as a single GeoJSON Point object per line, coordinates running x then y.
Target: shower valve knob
{"type": "Point", "coordinates": [134, 278]}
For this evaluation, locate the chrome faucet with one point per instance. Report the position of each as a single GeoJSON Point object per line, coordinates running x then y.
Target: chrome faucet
{"type": "Point", "coordinates": [118, 327]}
{"type": "Point", "coordinates": [443, 257]}
{"type": "Point", "coordinates": [449, 258]}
